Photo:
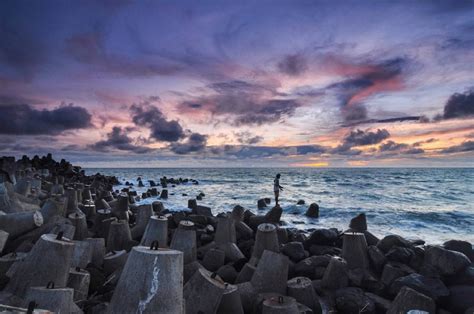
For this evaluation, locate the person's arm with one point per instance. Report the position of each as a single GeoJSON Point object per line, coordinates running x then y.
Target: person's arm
{"type": "Point", "coordinates": [281, 188]}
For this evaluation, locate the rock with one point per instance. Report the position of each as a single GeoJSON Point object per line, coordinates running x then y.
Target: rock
{"type": "Point", "coordinates": [300, 202]}
{"type": "Point", "coordinates": [202, 210]}
{"type": "Point", "coordinates": [460, 246]}
{"type": "Point", "coordinates": [393, 271]}
{"type": "Point", "coordinates": [274, 215]}
{"type": "Point", "coordinates": [322, 237]}
{"type": "Point", "coordinates": [261, 203]}
{"type": "Point", "coordinates": [381, 304]}
{"type": "Point", "coordinates": [313, 211]}
{"type": "Point", "coordinates": [324, 250]}
{"type": "Point", "coordinates": [408, 299]}
{"type": "Point", "coordinates": [432, 287]}
{"type": "Point", "coordinates": [353, 301]}
{"type": "Point", "coordinates": [446, 262]}
{"type": "Point", "coordinates": [399, 254]}
{"type": "Point", "coordinates": [294, 250]}
{"type": "Point", "coordinates": [460, 298]}
{"type": "Point", "coordinates": [358, 223]}
{"type": "Point", "coordinates": [377, 258]}
{"type": "Point", "coordinates": [192, 203]}
{"type": "Point", "coordinates": [371, 239]}
{"type": "Point", "coordinates": [465, 277]}
{"type": "Point", "coordinates": [389, 241]}
{"type": "Point", "coordinates": [307, 267]}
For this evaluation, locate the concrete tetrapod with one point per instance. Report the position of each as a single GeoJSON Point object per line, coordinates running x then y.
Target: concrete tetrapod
{"type": "Point", "coordinates": [156, 230]}
{"type": "Point", "coordinates": [301, 288]}
{"type": "Point", "coordinates": [114, 260]}
{"type": "Point", "coordinates": [72, 204]}
{"type": "Point", "coordinates": [121, 209]}
{"type": "Point", "coordinates": [271, 274]}
{"type": "Point", "coordinates": [50, 209]}
{"type": "Point", "coordinates": [196, 300]}
{"type": "Point", "coordinates": [58, 300]}
{"type": "Point", "coordinates": [184, 240]}
{"type": "Point", "coordinates": [354, 250]}
{"type": "Point", "coordinates": [151, 282]}
{"type": "Point", "coordinates": [119, 237]}
{"type": "Point", "coordinates": [335, 276]}
{"type": "Point", "coordinates": [245, 274]}
{"type": "Point", "coordinates": [230, 302]}
{"type": "Point", "coordinates": [266, 239]}
{"type": "Point", "coordinates": [144, 214]}
{"type": "Point", "coordinates": [49, 260]}
{"type": "Point", "coordinates": [225, 231]}
{"type": "Point", "coordinates": [103, 219]}
{"type": "Point", "coordinates": [3, 239]}
{"type": "Point", "coordinates": [7, 260]}
{"type": "Point", "coordinates": [98, 250]}
{"type": "Point", "coordinates": [79, 280]}
{"type": "Point", "coordinates": [279, 304]}
{"type": "Point", "coordinates": [79, 221]}
{"type": "Point", "coordinates": [82, 254]}
{"type": "Point", "coordinates": [18, 223]}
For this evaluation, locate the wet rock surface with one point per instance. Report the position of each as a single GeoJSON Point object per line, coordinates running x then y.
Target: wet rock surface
{"type": "Point", "coordinates": [73, 238]}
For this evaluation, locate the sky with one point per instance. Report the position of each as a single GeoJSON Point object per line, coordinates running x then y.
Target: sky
{"type": "Point", "coordinates": [239, 83]}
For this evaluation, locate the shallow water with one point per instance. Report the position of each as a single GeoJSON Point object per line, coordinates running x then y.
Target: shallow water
{"type": "Point", "coordinates": [432, 204]}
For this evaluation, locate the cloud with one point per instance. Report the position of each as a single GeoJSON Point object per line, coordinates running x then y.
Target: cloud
{"type": "Point", "coordinates": [89, 48]}
{"type": "Point", "coordinates": [245, 137]}
{"type": "Point", "coordinates": [375, 78]}
{"type": "Point", "coordinates": [246, 151]}
{"type": "Point", "coordinates": [467, 146]}
{"type": "Point", "coordinates": [145, 114]}
{"type": "Point", "coordinates": [118, 139]}
{"type": "Point", "coordinates": [459, 105]}
{"type": "Point", "coordinates": [245, 103]}
{"type": "Point", "coordinates": [401, 148]}
{"type": "Point", "coordinates": [361, 138]}
{"type": "Point", "coordinates": [391, 146]}
{"type": "Point", "coordinates": [24, 119]}
{"type": "Point", "coordinates": [195, 142]}
{"type": "Point", "coordinates": [293, 65]}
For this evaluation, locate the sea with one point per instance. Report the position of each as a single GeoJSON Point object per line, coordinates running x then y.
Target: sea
{"type": "Point", "coordinates": [435, 205]}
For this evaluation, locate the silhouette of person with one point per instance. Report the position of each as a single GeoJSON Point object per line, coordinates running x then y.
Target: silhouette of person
{"type": "Point", "coordinates": [277, 187]}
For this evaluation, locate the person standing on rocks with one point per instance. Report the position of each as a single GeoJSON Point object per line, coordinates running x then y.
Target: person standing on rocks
{"type": "Point", "coordinates": [276, 188]}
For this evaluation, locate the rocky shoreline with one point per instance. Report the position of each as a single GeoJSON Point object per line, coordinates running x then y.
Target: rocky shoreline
{"type": "Point", "coordinates": [69, 243]}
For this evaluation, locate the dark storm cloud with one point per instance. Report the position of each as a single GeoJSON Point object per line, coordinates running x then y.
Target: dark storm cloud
{"type": "Point", "coordinates": [378, 78]}
{"type": "Point", "coordinates": [467, 146]}
{"type": "Point", "coordinates": [151, 117]}
{"type": "Point", "coordinates": [293, 65]}
{"type": "Point", "coordinates": [247, 138]}
{"type": "Point", "coordinates": [118, 139]}
{"type": "Point", "coordinates": [24, 119]}
{"type": "Point", "coordinates": [246, 103]}
{"type": "Point", "coordinates": [459, 105]}
{"type": "Point", "coordinates": [195, 142]}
